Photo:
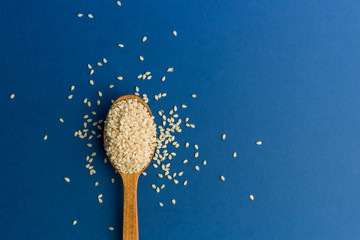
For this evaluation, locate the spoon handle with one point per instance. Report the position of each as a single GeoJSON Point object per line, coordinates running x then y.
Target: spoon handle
{"type": "Point", "coordinates": [130, 220]}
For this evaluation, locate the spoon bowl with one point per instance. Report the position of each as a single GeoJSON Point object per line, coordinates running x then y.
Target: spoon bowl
{"type": "Point", "coordinates": [130, 181]}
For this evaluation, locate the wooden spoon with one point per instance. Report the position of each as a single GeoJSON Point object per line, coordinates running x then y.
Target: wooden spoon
{"type": "Point", "coordinates": [130, 181]}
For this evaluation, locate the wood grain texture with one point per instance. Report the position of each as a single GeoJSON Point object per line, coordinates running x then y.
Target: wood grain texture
{"type": "Point", "coordinates": [130, 181]}
{"type": "Point", "coordinates": [130, 218]}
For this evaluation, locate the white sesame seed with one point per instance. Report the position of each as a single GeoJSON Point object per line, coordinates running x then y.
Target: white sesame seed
{"type": "Point", "coordinates": [223, 136]}
{"type": "Point", "coordinates": [234, 154]}
{"type": "Point", "coordinates": [173, 201]}
{"type": "Point", "coordinates": [251, 197]}
{"type": "Point", "coordinates": [111, 228]}
{"type": "Point", "coordinates": [144, 38]}
{"type": "Point", "coordinates": [80, 15]}
{"type": "Point", "coordinates": [118, 3]}
{"type": "Point", "coordinates": [174, 33]}
{"type": "Point", "coordinates": [74, 223]}
{"type": "Point", "coordinates": [222, 178]}
{"type": "Point", "coordinates": [67, 179]}
{"type": "Point", "coordinates": [90, 15]}
{"type": "Point", "coordinates": [170, 69]}
{"type": "Point", "coordinates": [45, 137]}
{"type": "Point", "coordinates": [259, 143]}
{"type": "Point", "coordinates": [120, 78]}
{"type": "Point", "coordinates": [141, 58]}
{"type": "Point", "coordinates": [120, 45]}
{"type": "Point", "coordinates": [70, 96]}
{"type": "Point", "coordinates": [197, 168]}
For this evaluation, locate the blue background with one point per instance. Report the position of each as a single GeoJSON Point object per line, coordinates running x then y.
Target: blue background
{"type": "Point", "coordinates": [284, 72]}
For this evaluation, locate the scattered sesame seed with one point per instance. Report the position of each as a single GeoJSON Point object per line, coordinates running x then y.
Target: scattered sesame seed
{"type": "Point", "coordinates": [222, 178]}
{"type": "Point", "coordinates": [67, 179]}
{"type": "Point", "coordinates": [259, 143]}
{"type": "Point", "coordinates": [251, 197]}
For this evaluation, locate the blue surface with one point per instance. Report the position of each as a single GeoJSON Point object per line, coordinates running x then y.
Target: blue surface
{"type": "Point", "coordinates": [282, 72]}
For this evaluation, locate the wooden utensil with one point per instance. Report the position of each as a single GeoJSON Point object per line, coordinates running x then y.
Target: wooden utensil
{"type": "Point", "coordinates": [130, 181]}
